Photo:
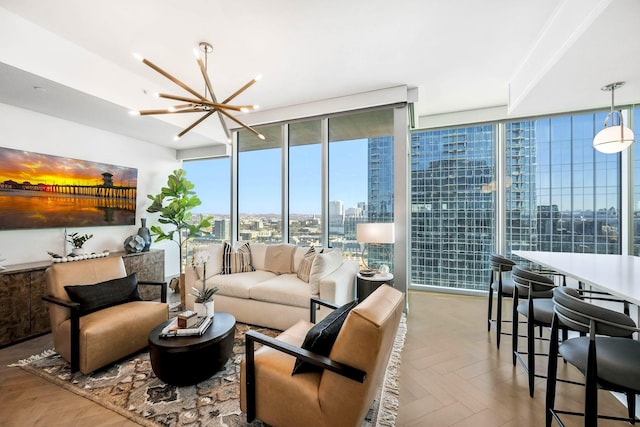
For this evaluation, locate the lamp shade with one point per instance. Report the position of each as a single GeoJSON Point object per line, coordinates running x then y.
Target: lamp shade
{"type": "Point", "coordinates": [613, 139]}
{"type": "Point", "coordinates": [375, 232]}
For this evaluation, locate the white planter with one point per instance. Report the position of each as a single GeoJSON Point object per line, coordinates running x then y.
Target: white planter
{"type": "Point", "coordinates": [206, 309]}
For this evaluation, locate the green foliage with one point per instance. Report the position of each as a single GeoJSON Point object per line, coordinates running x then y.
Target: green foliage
{"type": "Point", "coordinates": [77, 241]}
{"type": "Point", "coordinates": [174, 203]}
{"type": "Point", "coordinates": [203, 296]}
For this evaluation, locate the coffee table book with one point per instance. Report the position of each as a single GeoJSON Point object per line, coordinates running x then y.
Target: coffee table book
{"type": "Point", "coordinates": [172, 329]}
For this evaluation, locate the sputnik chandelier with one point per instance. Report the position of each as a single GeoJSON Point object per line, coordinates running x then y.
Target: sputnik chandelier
{"type": "Point", "coordinates": [206, 103]}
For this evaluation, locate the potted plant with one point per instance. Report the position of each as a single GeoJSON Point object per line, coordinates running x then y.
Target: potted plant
{"type": "Point", "coordinates": [77, 241]}
{"type": "Point", "coordinates": [203, 304]}
{"type": "Point", "coordinates": [174, 203]}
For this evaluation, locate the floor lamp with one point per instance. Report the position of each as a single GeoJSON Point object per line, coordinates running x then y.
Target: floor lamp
{"type": "Point", "coordinates": [376, 233]}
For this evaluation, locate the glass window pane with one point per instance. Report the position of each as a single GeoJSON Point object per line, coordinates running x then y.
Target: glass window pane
{"type": "Point", "coordinates": [452, 206]}
{"type": "Point", "coordinates": [360, 181]}
{"type": "Point", "coordinates": [305, 183]}
{"type": "Point", "coordinates": [260, 185]}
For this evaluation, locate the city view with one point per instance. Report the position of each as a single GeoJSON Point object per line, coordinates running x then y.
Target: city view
{"type": "Point", "coordinates": [559, 195]}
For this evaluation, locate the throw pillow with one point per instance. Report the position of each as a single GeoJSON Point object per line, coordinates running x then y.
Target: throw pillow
{"type": "Point", "coordinates": [304, 270]}
{"type": "Point", "coordinates": [278, 258]}
{"type": "Point", "coordinates": [323, 264]}
{"type": "Point", "coordinates": [212, 255]}
{"type": "Point", "coordinates": [321, 337]}
{"type": "Point", "coordinates": [236, 259]}
{"type": "Point", "coordinates": [105, 294]}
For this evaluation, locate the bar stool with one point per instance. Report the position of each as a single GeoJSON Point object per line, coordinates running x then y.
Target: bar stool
{"type": "Point", "coordinates": [608, 361]}
{"type": "Point", "coordinates": [503, 286]}
{"type": "Point", "coordinates": [538, 310]}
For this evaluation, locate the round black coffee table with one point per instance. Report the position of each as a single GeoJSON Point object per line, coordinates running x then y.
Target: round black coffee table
{"type": "Point", "coordinates": [190, 360]}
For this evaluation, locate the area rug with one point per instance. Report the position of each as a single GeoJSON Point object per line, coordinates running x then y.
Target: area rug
{"type": "Point", "coordinates": [131, 389]}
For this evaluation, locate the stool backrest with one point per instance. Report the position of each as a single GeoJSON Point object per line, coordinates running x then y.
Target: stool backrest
{"type": "Point", "coordinates": [582, 316]}
{"type": "Point", "coordinates": [532, 284]}
{"type": "Point", "coordinates": [499, 263]}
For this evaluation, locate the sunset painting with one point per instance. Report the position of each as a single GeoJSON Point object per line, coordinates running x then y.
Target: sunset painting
{"type": "Point", "coordinates": [42, 191]}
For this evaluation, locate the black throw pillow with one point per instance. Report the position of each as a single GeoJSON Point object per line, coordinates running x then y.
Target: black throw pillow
{"type": "Point", "coordinates": [321, 337]}
{"type": "Point", "coordinates": [105, 294]}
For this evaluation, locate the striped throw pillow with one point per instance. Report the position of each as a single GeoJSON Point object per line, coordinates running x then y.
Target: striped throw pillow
{"type": "Point", "coordinates": [236, 259]}
{"type": "Point", "coordinates": [304, 270]}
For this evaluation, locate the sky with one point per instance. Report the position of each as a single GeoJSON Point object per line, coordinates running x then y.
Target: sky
{"type": "Point", "coordinates": [260, 179]}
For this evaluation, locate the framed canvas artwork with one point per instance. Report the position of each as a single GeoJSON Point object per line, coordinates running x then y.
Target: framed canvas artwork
{"type": "Point", "coordinates": [43, 191]}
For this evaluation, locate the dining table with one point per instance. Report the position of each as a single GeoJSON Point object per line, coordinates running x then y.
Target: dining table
{"type": "Point", "coordinates": [618, 275]}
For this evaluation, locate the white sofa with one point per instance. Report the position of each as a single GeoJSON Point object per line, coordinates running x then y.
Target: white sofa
{"type": "Point", "coordinates": [275, 295]}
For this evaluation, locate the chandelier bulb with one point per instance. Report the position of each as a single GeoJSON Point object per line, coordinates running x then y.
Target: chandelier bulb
{"type": "Point", "coordinates": [176, 138]}
{"type": "Point", "coordinates": [138, 56]}
{"type": "Point", "coordinates": [261, 136]}
{"type": "Point", "coordinates": [134, 113]}
{"type": "Point", "coordinates": [258, 77]}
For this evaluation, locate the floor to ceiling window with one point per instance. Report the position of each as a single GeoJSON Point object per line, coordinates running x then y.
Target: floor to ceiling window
{"type": "Point", "coordinates": [635, 208]}
{"type": "Point", "coordinates": [565, 196]}
{"type": "Point", "coordinates": [305, 183]}
{"type": "Point", "coordinates": [360, 180]}
{"type": "Point", "coordinates": [260, 185]}
{"type": "Point", "coordinates": [452, 206]}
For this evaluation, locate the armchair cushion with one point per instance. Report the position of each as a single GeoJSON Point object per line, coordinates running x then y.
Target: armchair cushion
{"type": "Point", "coordinates": [104, 294]}
{"type": "Point", "coordinates": [321, 337]}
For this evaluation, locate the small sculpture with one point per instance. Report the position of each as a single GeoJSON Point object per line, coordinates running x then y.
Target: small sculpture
{"type": "Point", "coordinates": [134, 244]}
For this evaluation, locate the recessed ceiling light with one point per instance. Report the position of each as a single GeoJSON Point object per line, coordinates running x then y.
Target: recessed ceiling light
{"type": "Point", "coordinates": [40, 88]}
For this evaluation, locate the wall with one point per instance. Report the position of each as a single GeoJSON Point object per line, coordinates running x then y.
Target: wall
{"type": "Point", "coordinates": [30, 131]}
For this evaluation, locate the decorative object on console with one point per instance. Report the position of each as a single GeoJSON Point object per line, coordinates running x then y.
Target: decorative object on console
{"type": "Point", "coordinates": [174, 203]}
{"type": "Point", "coordinates": [84, 193]}
{"type": "Point", "coordinates": [72, 257]}
{"type": "Point", "coordinates": [614, 138]}
{"type": "Point", "coordinates": [133, 244]}
{"type": "Point", "coordinates": [78, 241]}
{"type": "Point", "coordinates": [144, 232]}
{"type": "Point", "coordinates": [201, 103]}
{"type": "Point", "coordinates": [375, 234]}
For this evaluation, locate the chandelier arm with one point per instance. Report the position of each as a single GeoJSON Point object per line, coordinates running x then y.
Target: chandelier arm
{"type": "Point", "coordinates": [166, 111]}
{"type": "Point", "coordinates": [244, 125]}
{"type": "Point", "coordinates": [239, 91]}
{"type": "Point", "coordinates": [205, 102]}
{"type": "Point", "coordinates": [203, 70]}
{"type": "Point", "coordinates": [173, 79]}
{"type": "Point", "coordinates": [194, 124]}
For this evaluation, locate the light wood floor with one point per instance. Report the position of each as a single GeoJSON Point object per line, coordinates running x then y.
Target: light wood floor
{"type": "Point", "coordinates": [451, 375]}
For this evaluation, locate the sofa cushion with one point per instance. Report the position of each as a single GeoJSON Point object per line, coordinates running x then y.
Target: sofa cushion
{"type": "Point", "coordinates": [212, 255]}
{"type": "Point", "coordinates": [104, 294]}
{"type": "Point", "coordinates": [298, 256]}
{"type": "Point", "coordinates": [322, 335]}
{"type": "Point", "coordinates": [284, 289]}
{"type": "Point", "coordinates": [304, 268]}
{"type": "Point", "coordinates": [323, 264]}
{"type": "Point", "coordinates": [236, 258]}
{"type": "Point", "coordinates": [279, 258]}
{"type": "Point", "coordinates": [258, 254]}
{"type": "Point", "coordinates": [238, 285]}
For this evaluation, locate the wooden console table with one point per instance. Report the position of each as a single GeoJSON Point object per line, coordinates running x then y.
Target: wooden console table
{"type": "Point", "coordinates": [23, 313]}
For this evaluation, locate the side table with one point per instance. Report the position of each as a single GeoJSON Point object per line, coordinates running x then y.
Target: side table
{"type": "Point", "coordinates": [366, 285]}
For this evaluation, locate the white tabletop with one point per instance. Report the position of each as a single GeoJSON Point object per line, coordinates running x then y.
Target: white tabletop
{"type": "Point", "coordinates": [378, 277]}
{"type": "Point", "coordinates": [616, 274]}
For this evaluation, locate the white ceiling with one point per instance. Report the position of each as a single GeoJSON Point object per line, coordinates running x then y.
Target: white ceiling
{"type": "Point", "coordinates": [528, 57]}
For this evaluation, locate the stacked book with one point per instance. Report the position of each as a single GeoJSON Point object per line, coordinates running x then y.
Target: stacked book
{"type": "Point", "coordinates": [185, 324]}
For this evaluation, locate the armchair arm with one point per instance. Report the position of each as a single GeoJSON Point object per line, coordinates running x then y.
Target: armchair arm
{"type": "Point", "coordinates": [317, 301]}
{"type": "Point", "coordinates": [163, 288]}
{"type": "Point", "coordinates": [251, 337]}
{"type": "Point", "coordinates": [74, 308]}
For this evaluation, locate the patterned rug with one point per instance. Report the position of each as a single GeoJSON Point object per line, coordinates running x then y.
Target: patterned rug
{"type": "Point", "coordinates": [131, 389]}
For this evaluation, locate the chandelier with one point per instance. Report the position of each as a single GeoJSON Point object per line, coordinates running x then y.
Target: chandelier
{"type": "Point", "coordinates": [206, 103]}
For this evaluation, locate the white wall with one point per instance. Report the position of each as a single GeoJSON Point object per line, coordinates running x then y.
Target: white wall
{"type": "Point", "coordinates": [26, 130]}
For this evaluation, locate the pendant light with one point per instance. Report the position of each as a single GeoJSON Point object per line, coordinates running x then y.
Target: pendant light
{"type": "Point", "coordinates": [613, 139]}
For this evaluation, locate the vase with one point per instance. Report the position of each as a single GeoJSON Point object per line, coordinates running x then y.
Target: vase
{"type": "Point", "coordinates": [145, 234]}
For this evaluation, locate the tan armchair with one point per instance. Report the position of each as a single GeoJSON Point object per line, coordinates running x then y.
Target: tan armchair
{"type": "Point", "coordinates": [103, 327]}
{"type": "Point", "coordinates": [341, 393]}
